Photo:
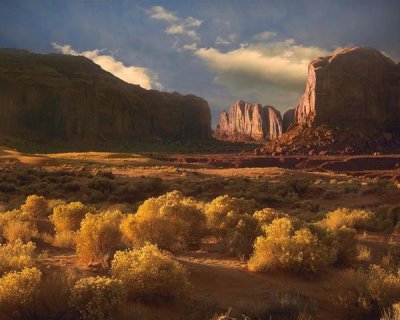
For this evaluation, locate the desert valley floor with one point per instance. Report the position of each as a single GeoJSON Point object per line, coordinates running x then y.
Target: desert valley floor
{"type": "Point", "coordinates": [219, 281]}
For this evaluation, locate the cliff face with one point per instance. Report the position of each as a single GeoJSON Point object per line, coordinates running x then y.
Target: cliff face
{"type": "Point", "coordinates": [48, 98]}
{"type": "Point", "coordinates": [288, 119]}
{"type": "Point", "coordinates": [351, 105]}
{"type": "Point", "coordinates": [355, 87]}
{"type": "Point", "coordinates": [247, 121]}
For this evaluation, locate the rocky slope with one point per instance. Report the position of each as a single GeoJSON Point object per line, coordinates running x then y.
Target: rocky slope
{"type": "Point", "coordinates": [351, 105]}
{"type": "Point", "coordinates": [60, 99]}
{"type": "Point", "coordinates": [249, 122]}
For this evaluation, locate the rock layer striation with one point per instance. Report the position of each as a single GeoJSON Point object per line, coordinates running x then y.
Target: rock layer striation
{"type": "Point", "coordinates": [69, 99]}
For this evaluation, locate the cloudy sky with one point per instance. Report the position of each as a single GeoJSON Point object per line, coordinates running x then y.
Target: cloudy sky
{"type": "Point", "coordinates": [256, 51]}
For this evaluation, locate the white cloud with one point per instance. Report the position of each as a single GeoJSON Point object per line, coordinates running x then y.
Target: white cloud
{"type": "Point", "coordinates": [176, 25]}
{"type": "Point", "coordinates": [131, 74]}
{"type": "Point", "coordinates": [160, 13]}
{"type": "Point", "coordinates": [191, 22]}
{"type": "Point", "coordinates": [271, 73]}
{"type": "Point", "coordinates": [263, 36]}
{"type": "Point", "coordinates": [188, 47]}
{"type": "Point", "coordinates": [222, 42]}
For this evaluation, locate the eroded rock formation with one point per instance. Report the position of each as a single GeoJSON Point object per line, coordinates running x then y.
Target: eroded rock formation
{"type": "Point", "coordinates": [354, 87]}
{"type": "Point", "coordinates": [69, 99]}
{"type": "Point", "coordinates": [247, 121]}
{"type": "Point", "coordinates": [288, 119]}
{"type": "Point", "coordinates": [351, 105]}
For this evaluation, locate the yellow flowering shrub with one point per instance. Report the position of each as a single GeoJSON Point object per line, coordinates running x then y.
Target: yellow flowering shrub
{"type": "Point", "coordinates": [267, 215]}
{"type": "Point", "coordinates": [67, 219]}
{"type": "Point", "coordinates": [99, 235]}
{"type": "Point", "coordinates": [343, 217]}
{"type": "Point", "coordinates": [97, 298]}
{"type": "Point", "coordinates": [16, 224]}
{"type": "Point", "coordinates": [35, 205]}
{"type": "Point", "coordinates": [23, 230]}
{"type": "Point", "coordinates": [18, 290]}
{"type": "Point", "coordinates": [218, 209]}
{"type": "Point", "coordinates": [149, 273]}
{"type": "Point", "coordinates": [285, 247]}
{"type": "Point", "coordinates": [171, 221]}
{"type": "Point", "coordinates": [16, 256]}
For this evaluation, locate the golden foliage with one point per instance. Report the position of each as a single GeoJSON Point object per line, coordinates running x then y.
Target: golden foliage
{"type": "Point", "coordinates": [18, 290]}
{"type": "Point", "coordinates": [23, 230]}
{"type": "Point", "coordinates": [218, 209]}
{"type": "Point", "coordinates": [267, 215]}
{"type": "Point", "coordinates": [16, 256]}
{"type": "Point", "coordinates": [17, 224]}
{"type": "Point", "coordinates": [171, 221]}
{"type": "Point", "coordinates": [97, 298]}
{"type": "Point", "coordinates": [99, 235]}
{"type": "Point", "coordinates": [68, 217]}
{"type": "Point", "coordinates": [343, 217]}
{"type": "Point", "coordinates": [35, 205]}
{"type": "Point", "coordinates": [149, 273]}
{"type": "Point", "coordinates": [283, 247]}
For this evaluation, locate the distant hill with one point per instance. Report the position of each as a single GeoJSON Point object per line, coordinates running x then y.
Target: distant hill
{"type": "Point", "coordinates": [61, 100]}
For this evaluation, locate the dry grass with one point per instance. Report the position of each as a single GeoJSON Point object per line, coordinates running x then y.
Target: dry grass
{"type": "Point", "coordinates": [106, 180]}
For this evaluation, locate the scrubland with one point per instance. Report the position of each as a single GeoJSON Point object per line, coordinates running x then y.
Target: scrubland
{"type": "Point", "coordinates": [122, 236]}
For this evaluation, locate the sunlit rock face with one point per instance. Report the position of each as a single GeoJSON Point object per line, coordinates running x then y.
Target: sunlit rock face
{"type": "Point", "coordinates": [53, 97]}
{"type": "Point", "coordinates": [247, 121]}
{"type": "Point", "coordinates": [355, 87]}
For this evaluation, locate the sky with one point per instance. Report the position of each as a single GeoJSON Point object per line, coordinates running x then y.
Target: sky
{"type": "Point", "coordinates": [257, 51]}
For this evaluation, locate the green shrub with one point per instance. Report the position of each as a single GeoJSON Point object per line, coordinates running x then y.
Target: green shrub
{"type": "Point", "coordinates": [97, 298]}
{"type": "Point", "coordinates": [346, 244]}
{"type": "Point", "coordinates": [285, 247]}
{"type": "Point", "coordinates": [239, 233]}
{"type": "Point", "coordinates": [19, 290]}
{"type": "Point", "coordinates": [299, 186]}
{"type": "Point", "coordinates": [99, 235]}
{"type": "Point", "coordinates": [171, 221]}
{"type": "Point", "coordinates": [149, 273]}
